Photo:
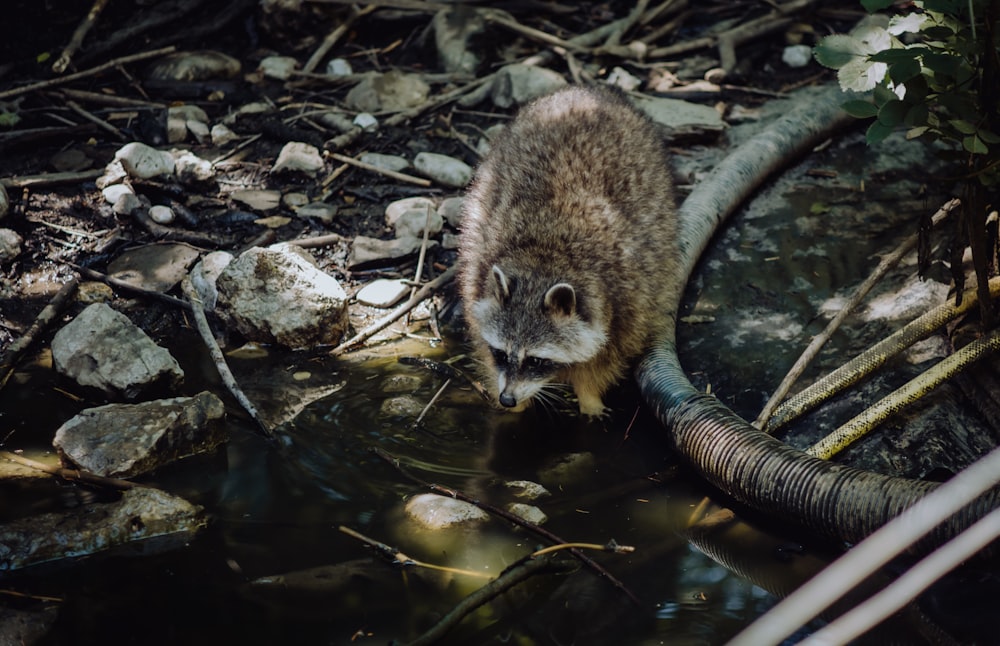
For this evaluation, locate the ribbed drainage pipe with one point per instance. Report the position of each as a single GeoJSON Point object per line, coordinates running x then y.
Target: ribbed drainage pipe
{"type": "Point", "coordinates": [755, 469]}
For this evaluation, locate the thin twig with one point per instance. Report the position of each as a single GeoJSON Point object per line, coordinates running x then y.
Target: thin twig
{"type": "Point", "coordinates": [96, 120]}
{"type": "Point", "coordinates": [205, 331]}
{"type": "Point", "coordinates": [62, 80]}
{"type": "Point", "coordinates": [135, 289]}
{"type": "Point", "coordinates": [78, 35]}
{"type": "Point", "coordinates": [50, 179]}
{"type": "Point", "coordinates": [397, 557]}
{"type": "Point", "coordinates": [436, 396]}
{"type": "Point", "coordinates": [49, 313]}
{"type": "Point", "coordinates": [71, 474]}
{"type": "Point", "coordinates": [403, 177]}
{"type": "Point", "coordinates": [335, 35]}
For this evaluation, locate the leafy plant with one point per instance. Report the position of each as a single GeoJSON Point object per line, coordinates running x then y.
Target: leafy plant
{"type": "Point", "coordinates": [934, 70]}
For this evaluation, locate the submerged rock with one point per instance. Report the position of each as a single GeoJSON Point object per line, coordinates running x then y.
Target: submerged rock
{"type": "Point", "coordinates": [102, 348]}
{"type": "Point", "coordinates": [126, 440]}
{"type": "Point", "coordinates": [279, 295]}
{"type": "Point", "coordinates": [437, 512]}
{"type": "Point", "coordinates": [142, 514]}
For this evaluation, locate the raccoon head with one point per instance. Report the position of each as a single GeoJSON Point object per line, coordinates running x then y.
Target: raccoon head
{"type": "Point", "coordinates": [534, 329]}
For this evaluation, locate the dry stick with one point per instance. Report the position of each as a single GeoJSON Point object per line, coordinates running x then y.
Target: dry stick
{"type": "Point", "coordinates": [436, 396]}
{"type": "Point", "coordinates": [121, 284]}
{"type": "Point", "coordinates": [71, 474]}
{"type": "Point", "coordinates": [108, 99]}
{"type": "Point", "coordinates": [319, 241]}
{"type": "Point", "coordinates": [50, 179]}
{"type": "Point", "coordinates": [403, 177]}
{"type": "Point", "coordinates": [77, 39]}
{"type": "Point", "coordinates": [394, 315]}
{"type": "Point", "coordinates": [62, 80]}
{"type": "Point", "coordinates": [534, 34]}
{"type": "Point", "coordinates": [45, 318]}
{"type": "Point", "coordinates": [513, 519]}
{"type": "Point", "coordinates": [205, 331]}
{"type": "Point", "coordinates": [395, 556]}
{"type": "Point", "coordinates": [96, 120]}
{"type": "Point", "coordinates": [515, 574]}
{"type": "Point", "coordinates": [859, 294]}
{"type": "Point", "coordinates": [423, 251]}
{"type": "Point", "coordinates": [335, 35]}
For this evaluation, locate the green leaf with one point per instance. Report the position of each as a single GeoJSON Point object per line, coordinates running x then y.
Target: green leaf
{"type": "Point", "coordinates": [891, 114]}
{"type": "Point", "coordinates": [837, 50]}
{"type": "Point", "coordinates": [989, 136]}
{"type": "Point", "coordinates": [913, 133]}
{"type": "Point", "coordinates": [963, 126]}
{"type": "Point", "coordinates": [860, 109]}
{"type": "Point", "coordinates": [883, 95]}
{"type": "Point", "coordinates": [897, 55]}
{"type": "Point", "coordinates": [944, 6]}
{"type": "Point", "coordinates": [916, 115]}
{"type": "Point", "coordinates": [877, 132]}
{"type": "Point", "coordinates": [818, 208]}
{"type": "Point", "coordinates": [975, 145]}
{"type": "Point", "coordinates": [871, 6]}
{"type": "Point", "coordinates": [946, 64]}
{"type": "Point", "coordinates": [939, 32]}
{"type": "Point", "coordinates": [903, 71]}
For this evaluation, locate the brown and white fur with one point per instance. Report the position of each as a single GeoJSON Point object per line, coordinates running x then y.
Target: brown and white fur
{"type": "Point", "coordinates": [568, 246]}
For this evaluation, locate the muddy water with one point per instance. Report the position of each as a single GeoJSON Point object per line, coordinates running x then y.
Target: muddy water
{"type": "Point", "coordinates": [275, 567]}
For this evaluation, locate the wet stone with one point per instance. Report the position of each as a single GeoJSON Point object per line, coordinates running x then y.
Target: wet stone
{"type": "Point", "coordinates": [401, 383]}
{"type": "Point", "coordinates": [402, 406]}
{"type": "Point", "coordinates": [437, 512]}
{"type": "Point", "coordinates": [412, 223]}
{"type": "Point", "coordinates": [529, 513]}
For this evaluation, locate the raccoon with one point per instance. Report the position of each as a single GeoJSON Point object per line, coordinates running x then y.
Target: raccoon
{"type": "Point", "coordinates": [568, 247]}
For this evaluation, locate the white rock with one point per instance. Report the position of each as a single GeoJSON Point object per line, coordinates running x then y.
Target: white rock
{"type": "Point", "coordinates": [412, 223]}
{"type": "Point", "coordinates": [366, 122]}
{"type": "Point", "coordinates": [10, 245]}
{"type": "Point", "coordinates": [393, 90]}
{"type": "Point", "coordinates": [529, 513]}
{"type": "Point", "coordinates": [221, 135]}
{"type": "Point", "coordinates": [144, 162]}
{"type": "Point", "coordinates": [114, 173]}
{"type": "Point", "coordinates": [338, 121]}
{"type": "Point", "coordinates": [527, 489]}
{"type": "Point", "coordinates": [126, 203]}
{"type": "Point", "coordinates": [321, 211]}
{"type": "Point", "coordinates": [294, 200]}
{"type": "Point", "coordinates": [278, 295]}
{"type": "Point", "coordinates": [443, 169]}
{"type": "Point", "coordinates": [388, 162]}
{"type": "Point", "coordinates": [399, 207]}
{"type": "Point", "coordinates": [296, 156]}
{"type": "Point", "coordinates": [257, 199]}
{"type": "Point", "coordinates": [192, 169]}
{"type": "Point", "coordinates": [278, 67]}
{"type": "Point", "coordinates": [161, 214]}
{"type": "Point", "coordinates": [383, 292]}
{"type": "Point", "coordinates": [339, 67]}
{"type": "Point", "coordinates": [620, 77]}
{"type": "Point", "coordinates": [187, 112]}
{"type": "Point", "coordinates": [177, 130]}
{"type": "Point", "coordinates": [797, 55]}
{"type": "Point", "coordinates": [206, 273]}
{"type": "Point", "coordinates": [451, 210]}
{"type": "Point", "coordinates": [114, 192]}
{"type": "Point", "coordinates": [103, 349]}
{"type": "Point", "coordinates": [437, 512]}
{"type": "Point", "coordinates": [517, 84]}
{"type": "Point", "coordinates": [680, 115]}
{"type": "Point", "coordinates": [199, 129]}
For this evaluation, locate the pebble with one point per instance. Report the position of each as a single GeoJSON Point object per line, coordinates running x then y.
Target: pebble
{"type": "Point", "coordinates": [221, 135]}
{"type": "Point", "coordinates": [443, 169]}
{"type": "Point", "coordinates": [517, 84]}
{"type": "Point", "coordinates": [294, 200]}
{"type": "Point", "coordinates": [144, 162]}
{"type": "Point", "coordinates": [620, 77]}
{"type": "Point", "coordinates": [257, 199]}
{"type": "Point", "coordinates": [387, 162]}
{"type": "Point", "coordinates": [399, 207]}
{"type": "Point", "coordinates": [202, 65]}
{"type": "Point", "coordinates": [277, 67]}
{"type": "Point", "coordinates": [383, 292]}
{"type": "Point", "coordinates": [451, 210]}
{"type": "Point", "coordinates": [393, 90]}
{"type": "Point", "coordinates": [192, 169]}
{"type": "Point", "coordinates": [797, 55]}
{"type": "Point", "coordinates": [204, 275]}
{"type": "Point", "coordinates": [529, 513]}
{"type": "Point", "coordinates": [10, 245]}
{"type": "Point", "coordinates": [337, 121]}
{"type": "Point", "coordinates": [412, 223]}
{"type": "Point", "coordinates": [366, 122]}
{"type": "Point", "coordinates": [527, 489]}
{"type": "Point", "coordinates": [319, 210]}
{"type": "Point", "coordinates": [296, 156]}
{"type": "Point", "coordinates": [114, 192]}
{"type": "Point", "coordinates": [365, 250]}
{"type": "Point", "coordinates": [161, 214]}
{"type": "Point", "coordinates": [339, 67]}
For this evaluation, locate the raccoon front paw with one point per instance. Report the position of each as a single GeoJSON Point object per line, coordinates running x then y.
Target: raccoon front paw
{"type": "Point", "coordinates": [593, 407]}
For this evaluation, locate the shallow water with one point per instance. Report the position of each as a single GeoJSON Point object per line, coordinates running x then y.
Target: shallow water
{"type": "Point", "coordinates": [277, 509]}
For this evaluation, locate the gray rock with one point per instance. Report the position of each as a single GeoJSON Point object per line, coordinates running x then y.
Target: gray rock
{"type": "Point", "coordinates": [103, 349]}
{"type": "Point", "coordinates": [370, 251]}
{"type": "Point", "coordinates": [337, 121]}
{"type": "Point", "coordinates": [257, 199]}
{"type": "Point", "coordinates": [142, 513]}
{"type": "Point", "coordinates": [401, 406]}
{"type": "Point", "coordinates": [221, 135]}
{"type": "Point", "coordinates": [366, 121]}
{"type": "Point", "coordinates": [144, 162]}
{"type": "Point", "coordinates": [681, 117]}
{"type": "Point", "coordinates": [320, 210]}
{"type": "Point", "coordinates": [339, 67]}
{"type": "Point", "coordinates": [4, 202]}
{"type": "Point", "coordinates": [526, 489]}
{"type": "Point", "coordinates": [388, 162]}
{"type": "Point", "coordinates": [114, 193]}
{"type": "Point", "coordinates": [195, 66]}
{"type": "Point", "coordinates": [126, 440]}
{"type": "Point", "coordinates": [205, 274]}
{"type": "Point", "coordinates": [10, 245]}
{"type": "Point", "coordinates": [278, 295]}
{"type": "Point", "coordinates": [451, 210]}
{"type": "Point", "coordinates": [529, 513]}
{"type": "Point", "coordinates": [161, 214]}
{"type": "Point", "coordinates": [437, 512]}
{"type": "Point", "coordinates": [277, 67]}
{"type": "Point", "coordinates": [443, 169]}
{"type": "Point", "coordinates": [192, 169]}
{"type": "Point", "coordinates": [383, 292]}
{"type": "Point", "coordinates": [450, 240]}
{"type": "Point", "coordinates": [517, 84]}
{"type": "Point", "coordinates": [411, 224]}
{"type": "Point", "coordinates": [296, 156]}
{"type": "Point", "coordinates": [393, 91]}
{"type": "Point", "coordinates": [454, 29]}
{"type": "Point", "coordinates": [399, 207]}
{"type": "Point", "coordinates": [113, 174]}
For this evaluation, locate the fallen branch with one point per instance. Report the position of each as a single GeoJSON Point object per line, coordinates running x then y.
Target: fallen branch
{"type": "Point", "coordinates": [205, 331]}
{"type": "Point", "coordinates": [397, 557]}
{"type": "Point", "coordinates": [49, 313]}
{"type": "Point", "coordinates": [396, 314]}
{"type": "Point", "coordinates": [78, 35]}
{"type": "Point", "coordinates": [51, 179]}
{"type": "Point", "coordinates": [75, 475]}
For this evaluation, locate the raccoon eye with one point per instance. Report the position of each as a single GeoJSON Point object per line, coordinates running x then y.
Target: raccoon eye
{"type": "Point", "coordinates": [499, 356]}
{"type": "Point", "coordinates": [538, 364]}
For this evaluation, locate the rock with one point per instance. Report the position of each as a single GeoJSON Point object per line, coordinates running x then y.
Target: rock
{"type": "Point", "coordinates": [489, 135]}
{"type": "Point", "coordinates": [451, 210]}
{"type": "Point", "coordinates": [402, 406]}
{"type": "Point", "coordinates": [391, 91]}
{"type": "Point", "coordinates": [258, 200]}
{"type": "Point", "coordinates": [278, 67]}
{"type": "Point", "coordinates": [401, 383]}
{"type": "Point", "coordinates": [127, 440]}
{"type": "Point", "coordinates": [4, 202]}
{"type": "Point", "coordinates": [372, 251]}
{"type": "Point", "coordinates": [206, 273]}
{"type": "Point", "coordinates": [412, 223]}
{"type": "Point", "coordinates": [187, 112]}
{"type": "Point", "coordinates": [681, 117]}
{"type": "Point", "coordinates": [437, 512]}
{"type": "Point", "coordinates": [295, 200]}
{"type": "Point", "coordinates": [529, 513]}
{"type": "Point", "coordinates": [906, 303]}
{"type": "Point", "coordinates": [454, 29]}
{"type": "Point", "coordinates": [450, 241]}
{"type": "Point", "coordinates": [113, 174]}
{"type": "Point", "coordinates": [797, 55]}
{"type": "Point", "coordinates": [143, 513]}
{"type": "Point", "coordinates": [70, 161]}
{"type": "Point", "coordinates": [144, 162]}
{"type": "Point", "coordinates": [527, 489]}
{"type": "Point", "coordinates": [103, 349]}
{"type": "Point", "coordinates": [517, 84]}
{"type": "Point", "coordinates": [299, 157]}
{"type": "Point", "coordinates": [114, 193]}
{"type": "Point", "coordinates": [319, 210]}
{"type": "Point", "coordinates": [127, 202]}
{"type": "Point", "coordinates": [366, 122]}
{"type": "Point", "coordinates": [339, 67]}
{"type": "Point", "coordinates": [10, 245]}
{"type": "Point", "coordinates": [278, 295]}
{"type": "Point", "coordinates": [621, 78]}
{"type": "Point", "coordinates": [192, 169]}
{"type": "Point", "coordinates": [195, 66]}
{"type": "Point", "coordinates": [222, 135]}
{"type": "Point", "coordinates": [383, 292]}
{"type": "Point", "coordinates": [338, 121]}
{"type": "Point", "coordinates": [397, 208]}
{"type": "Point", "coordinates": [199, 130]}
{"type": "Point", "coordinates": [182, 119]}
{"type": "Point", "coordinates": [387, 162]}
{"type": "Point", "coordinates": [161, 214]}
{"type": "Point", "coordinates": [443, 169]}
{"type": "Point", "coordinates": [154, 267]}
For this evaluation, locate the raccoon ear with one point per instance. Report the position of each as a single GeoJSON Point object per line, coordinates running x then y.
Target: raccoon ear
{"type": "Point", "coordinates": [501, 287]}
{"type": "Point", "coordinates": [561, 299]}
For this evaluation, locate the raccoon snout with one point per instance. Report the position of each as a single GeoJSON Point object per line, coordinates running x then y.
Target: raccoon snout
{"type": "Point", "coordinates": [507, 400]}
